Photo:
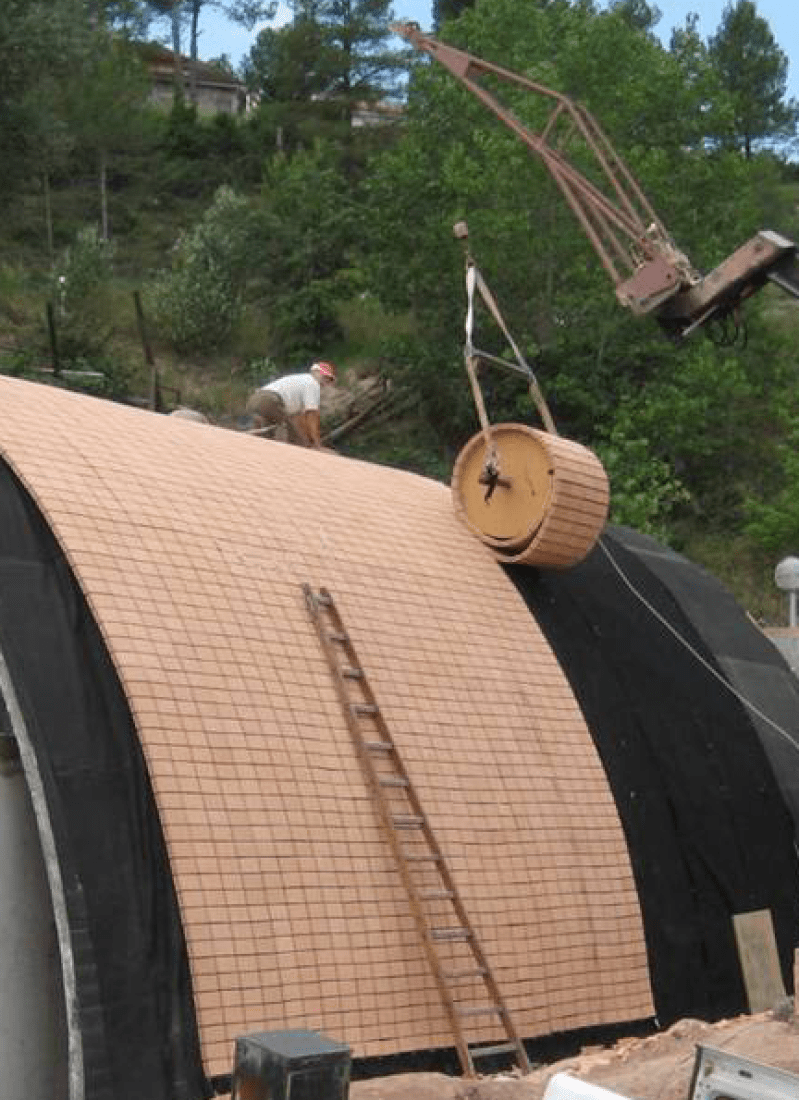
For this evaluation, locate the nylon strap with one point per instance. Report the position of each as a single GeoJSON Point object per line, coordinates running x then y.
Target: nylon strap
{"type": "Point", "coordinates": [475, 281]}
{"type": "Point", "coordinates": [472, 363]}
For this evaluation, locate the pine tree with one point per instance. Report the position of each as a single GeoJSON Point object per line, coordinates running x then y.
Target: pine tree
{"type": "Point", "coordinates": [361, 66]}
{"type": "Point", "coordinates": [332, 61]}
{"type": "Point", "coordinates": [754, 71]}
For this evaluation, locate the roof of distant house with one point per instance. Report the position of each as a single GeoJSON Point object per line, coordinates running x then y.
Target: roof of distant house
{"type": "Point", "coordinates": [160, 59]}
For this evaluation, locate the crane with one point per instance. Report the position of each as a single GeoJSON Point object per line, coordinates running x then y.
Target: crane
{"type": "Point", "coordinates": [650, 273]}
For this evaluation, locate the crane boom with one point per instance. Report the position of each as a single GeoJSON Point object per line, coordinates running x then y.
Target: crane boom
{"type": "Point", "coordinates": [651, 275]}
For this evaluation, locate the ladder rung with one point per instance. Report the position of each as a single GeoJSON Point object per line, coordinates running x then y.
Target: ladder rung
{"type": "Point", "coordinates": [436, 895]}
{"type": "Point", "coordinates": [480, 1010]}
{"type": "Point", "coordinates": [450, 934]}
{"type": "Point", "coordinates": [337, 636]}
{"type": "Point", "coordinates": [325, 601]}
{"type": "Point", "coordinates": [459, 975]}
{"type": "Point", "coordinates": [488, 1052]}
{"type": "Point", "coordinates": [364, 708]}
{"type": "Point", "coordinates": [352, 673]}
{"type": "Point", "coordinates": [428, 857]}
{"type": "Point", "coordinates": [394, 781]}
{"type": "Point", "coordinates": [379, 746]}
{"type": "Point", "coordinates": [407, 821]}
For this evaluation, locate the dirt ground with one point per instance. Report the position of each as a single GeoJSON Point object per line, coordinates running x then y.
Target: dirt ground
{"type": "Point", "coordinates": [658, 1067]}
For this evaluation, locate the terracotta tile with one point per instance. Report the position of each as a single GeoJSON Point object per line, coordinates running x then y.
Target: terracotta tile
{"type": "Point", "coordinates": [192, 553]}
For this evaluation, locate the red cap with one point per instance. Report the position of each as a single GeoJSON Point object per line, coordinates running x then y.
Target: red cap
{"type": "Point", "coordinates": [326, 369]}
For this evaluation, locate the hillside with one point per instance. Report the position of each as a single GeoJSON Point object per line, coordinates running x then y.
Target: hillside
{"type": "Point", "coordinates": [686, 463]}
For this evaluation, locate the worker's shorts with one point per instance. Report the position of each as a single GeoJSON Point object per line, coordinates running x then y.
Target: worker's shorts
{"type": "Point", "coordinates": [268, 405]}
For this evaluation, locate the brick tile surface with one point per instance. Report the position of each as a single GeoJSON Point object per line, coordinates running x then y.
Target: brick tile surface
{"type": "Point", "coordinates": [191, 544]}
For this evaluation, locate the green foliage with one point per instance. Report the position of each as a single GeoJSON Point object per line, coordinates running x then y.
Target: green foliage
{"type": "Point", "coordinates": [39, 46]}
{"type": "Point", "coordinates": [105, 93]}
{"type": "Point", "coordinates": [644, 490]}
{"type": "Point", "coordinates": [103, 374]}
{"type": "Point", "coordinates": [745, 569]}
{"type": "Point", "coordinates": [754, 70]}
{"type": "Point", "coordinates": [18, 362]}
{"type": "Point", "coordinates": [772, 515]}
{"type": "Point", "coordinates": [262, 370]}
{"type": "Point", "coordinates": [100, 374]}
{"type": "Point", "coordinates": [315, 72]}
{"type": "Point", "coordinates": [448, 9]}
{"type": "Point", "coordinates": [198, 302]}
{"type": "Point", "coordinates": [304, 250]}
{"type": "Point", "coordinates": [77, 288]}
{"type": "Point", "coordinates": [200, 155]}
{"type": "Point", "coordinates": [330, 226]}
{"type": "Point", "coordinates": [638, 13]}
{"type": "Point", "coordinates": [288, 64]}
{"type": "Point", "coordinates": [83, 268]}
{"type": "Point", "coordinates": [674, 425]}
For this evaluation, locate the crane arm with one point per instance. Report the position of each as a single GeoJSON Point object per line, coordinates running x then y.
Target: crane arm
{"type": "Point", "coordinates": [650, 273]}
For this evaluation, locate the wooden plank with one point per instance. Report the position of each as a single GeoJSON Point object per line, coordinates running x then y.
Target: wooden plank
{"type": "Point", "coordinates": [760, 961]}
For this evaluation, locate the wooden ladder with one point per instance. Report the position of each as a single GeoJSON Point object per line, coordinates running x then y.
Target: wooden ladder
{"type": "Point", "coordinates": [468, 990]}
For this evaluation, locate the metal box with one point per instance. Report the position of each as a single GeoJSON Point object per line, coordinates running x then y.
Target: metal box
{"type": "Point", "coordinates": [719, 1075]}
{"type": "Point", "coordinates": [290, 1065]}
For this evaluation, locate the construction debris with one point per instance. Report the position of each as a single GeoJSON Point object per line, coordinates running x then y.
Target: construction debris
{"type": "Point", "coordinates": [657, 1067]}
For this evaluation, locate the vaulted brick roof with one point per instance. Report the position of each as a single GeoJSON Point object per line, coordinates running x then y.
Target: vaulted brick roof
{"type": "Point", "coordinates": [191, 544]}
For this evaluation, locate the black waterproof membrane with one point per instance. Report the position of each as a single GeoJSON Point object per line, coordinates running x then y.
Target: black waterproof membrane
{"type": "Point", "coordinates": [708, 826]}
{"type": "Point", "coordinates": [708, 829]}
{"type": "Point", "coordinates": [752, 663]}
{"type": "Point", "coordinates": [134, 999]}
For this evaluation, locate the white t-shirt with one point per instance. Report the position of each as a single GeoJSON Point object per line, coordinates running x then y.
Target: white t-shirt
{"type": "Point", "coordinates": [300, 392]}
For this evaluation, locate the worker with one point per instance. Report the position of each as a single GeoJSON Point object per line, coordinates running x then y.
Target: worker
{"type": "Point", "coordinates": [292, 402]}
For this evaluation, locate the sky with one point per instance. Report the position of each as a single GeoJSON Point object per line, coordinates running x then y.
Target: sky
{"type": "Point", "coordinates": [219, 36]}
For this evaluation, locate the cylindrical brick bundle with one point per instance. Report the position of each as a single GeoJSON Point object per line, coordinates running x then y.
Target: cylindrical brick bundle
{"type": "Point", "coordinates": [548, 505]}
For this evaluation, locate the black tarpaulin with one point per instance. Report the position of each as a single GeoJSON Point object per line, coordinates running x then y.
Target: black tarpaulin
{"type": "Point", "coordinates": [708, 830]}
{"type": "Point", "coordinates": [134, 1000]}
{"type": "Point", "coordinates": [752, 663]}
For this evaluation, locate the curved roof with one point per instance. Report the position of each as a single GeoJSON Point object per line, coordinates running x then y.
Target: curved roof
{"type": "Point", "coordinates": [748, 657]}
{"type": "Point", "coordinates": [709, 829]}
{"type": "Point", "coordinates": [191, 545]}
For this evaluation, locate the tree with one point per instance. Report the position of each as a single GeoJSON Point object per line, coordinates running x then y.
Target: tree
{"type": "Point", "coordinates": [610, 378]}
{"type": "Point", "coordinates": [127, 17]}
{"type": "Point", "coordinates": [198, 301]}
{"type": "Point", "coordinates": [309, 234]}
{"type": "Point", "coordinates": [754, 70]}
{"type": "Point", "coordinates": [39, 45]}
{"type": "Point", "coordinates": [638, 13]}
{"type": "Point", "coordinates": [773, 517]}
{"type": "Point", "coordinates": [51, 141]}
{"type": "Point", "coordinates": [105, 96]}
{"type": "Point", "coordinates": [292, 70]}
{"type": "Point", "coordinates": [354, 55]}
{"type": "Point", "coordinates": [244, 12]}
{"type": "Point", "coordinates": [448, 9]}
{"type": "Point", "coordinates": [315, 74]}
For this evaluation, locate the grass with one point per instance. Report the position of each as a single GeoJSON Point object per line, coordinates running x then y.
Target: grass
{"type": "Point", "coordinates": [366, 325]}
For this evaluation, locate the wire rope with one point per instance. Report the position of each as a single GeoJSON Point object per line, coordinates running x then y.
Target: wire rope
{"type": "Point", "coordinates": [694, 652]}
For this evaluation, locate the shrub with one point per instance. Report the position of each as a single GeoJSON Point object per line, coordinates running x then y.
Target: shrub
{"type": "Point", "coordinates": [85, 266]}
{"type": "Point", "coordinates": [199, 301]}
